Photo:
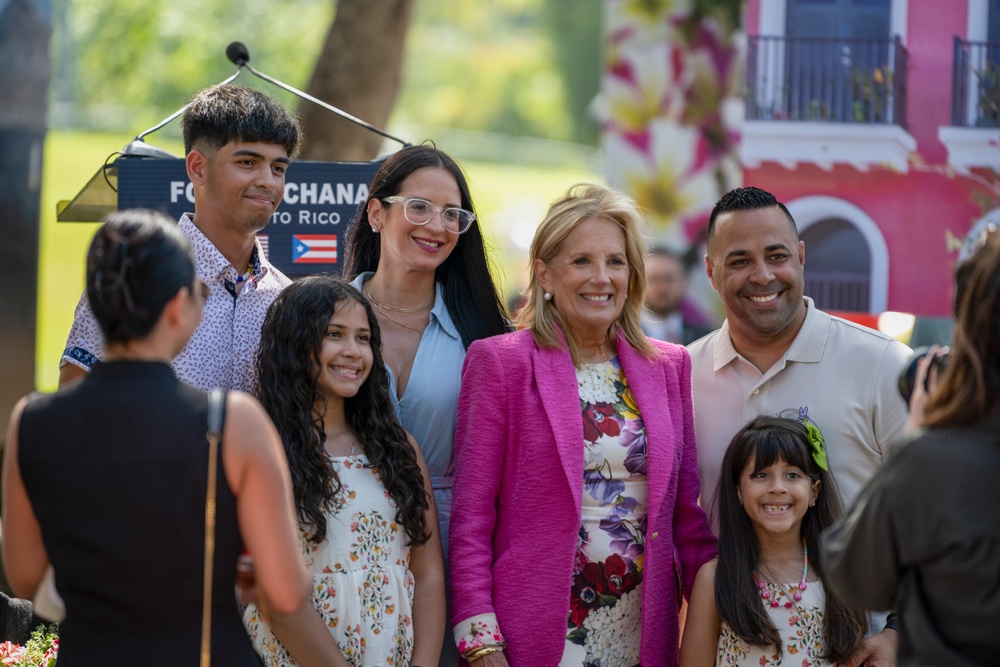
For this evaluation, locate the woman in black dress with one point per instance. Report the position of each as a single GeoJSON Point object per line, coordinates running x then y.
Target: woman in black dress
{"type": "Point", "coordinates": [106, 481]}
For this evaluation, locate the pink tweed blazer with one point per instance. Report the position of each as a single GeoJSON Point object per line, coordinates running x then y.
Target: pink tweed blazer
{"type": "Point", "coordinates": [519, 489]}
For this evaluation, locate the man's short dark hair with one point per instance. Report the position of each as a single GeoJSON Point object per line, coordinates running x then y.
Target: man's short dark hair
{"type": "Point", "coordinates": [225, 113]}
{"type": "Point", "coordinates": [746, 199]}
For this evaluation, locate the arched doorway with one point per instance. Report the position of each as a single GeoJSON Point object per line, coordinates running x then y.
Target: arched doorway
{"type": "Point", "coordinates": [842, 239]}
{"type": "Point", "coordinates": [838, 266]}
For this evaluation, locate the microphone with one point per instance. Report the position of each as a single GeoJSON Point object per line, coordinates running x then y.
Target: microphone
{"type": "Point", "coordinates": [238, 53]}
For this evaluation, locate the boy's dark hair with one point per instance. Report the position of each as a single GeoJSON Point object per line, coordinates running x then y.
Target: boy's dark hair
{"type": "Point", "coordinates": [224, 113]}
{"type": "Point", "coordinates": [137, 262]}
{"type": "Point", "coordinates": [763, 441]}
{"type": "Point", "coordinates": [745, 199]}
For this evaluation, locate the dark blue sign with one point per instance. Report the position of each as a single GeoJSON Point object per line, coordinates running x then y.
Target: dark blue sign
{"type": "Point", "coordinates": [306, 233]}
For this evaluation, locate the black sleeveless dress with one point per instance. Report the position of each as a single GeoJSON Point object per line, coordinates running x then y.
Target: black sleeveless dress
{"type": "Point", "coordinates": [115, 468]}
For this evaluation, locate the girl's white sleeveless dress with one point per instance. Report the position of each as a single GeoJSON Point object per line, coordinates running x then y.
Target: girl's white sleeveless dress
{"type": "Point", "coordinates": [362, 584]}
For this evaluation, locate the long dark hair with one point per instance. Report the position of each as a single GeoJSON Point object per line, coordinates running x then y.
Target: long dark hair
{"type": "Point", "coordinates": [137, 262]}
{"type": "Point", "coordinates": [288, 369]}
{"type": "Point", "coordinates": [763, 441]}
{"type": "Point", "coordinates": [470, 294]}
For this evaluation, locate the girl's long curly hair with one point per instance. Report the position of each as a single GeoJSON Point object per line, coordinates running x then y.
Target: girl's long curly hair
{"type": "Point", "coordinates": [288, 369]}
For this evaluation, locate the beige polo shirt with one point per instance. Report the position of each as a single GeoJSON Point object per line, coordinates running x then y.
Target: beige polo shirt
{"type": "Point", "coordinates": [844, 373]}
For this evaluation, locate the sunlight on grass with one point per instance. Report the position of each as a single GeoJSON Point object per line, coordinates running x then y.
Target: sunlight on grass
{"type": "Point", "coordinates": [510, 199]}
{"type": "Point", "coordinates": [71, 159]}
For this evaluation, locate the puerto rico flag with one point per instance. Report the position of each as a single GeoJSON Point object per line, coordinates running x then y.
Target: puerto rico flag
{"type": "Point", "coordinates": [314, 248]}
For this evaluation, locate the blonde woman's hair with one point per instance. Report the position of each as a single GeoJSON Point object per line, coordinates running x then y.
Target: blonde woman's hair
{"type": "Point", "coordinates": [582, 202]}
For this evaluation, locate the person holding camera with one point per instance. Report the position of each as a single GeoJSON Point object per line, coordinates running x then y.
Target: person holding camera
{"type": "Point", "coordinates": [924, 536]}
{"type": "Point", "coordinates": [918, 379]}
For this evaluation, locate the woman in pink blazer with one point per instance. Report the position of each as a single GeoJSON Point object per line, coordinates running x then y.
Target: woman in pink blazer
{"type": "Point", "coordinates": [576, 525]}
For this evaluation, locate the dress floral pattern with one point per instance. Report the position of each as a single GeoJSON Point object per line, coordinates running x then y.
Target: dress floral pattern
{"type": "Point", "coordinates": [801, 627]}
{"type": "Point", "coordinates": [362, 584]}
{"type": "Point", "coordinates": [604, 625]}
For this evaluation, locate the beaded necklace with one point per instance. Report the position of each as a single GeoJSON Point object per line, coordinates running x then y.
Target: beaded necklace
{"type": "Point", "coordinates": [765, 594]}
{"type": "Point", "coordinates": [246, 274]}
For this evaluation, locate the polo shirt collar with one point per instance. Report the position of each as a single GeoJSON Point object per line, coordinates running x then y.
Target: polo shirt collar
{"type": "Point", "coordinates": [811, 340]}
{"type": "Point", "coordinates": [807, 347]}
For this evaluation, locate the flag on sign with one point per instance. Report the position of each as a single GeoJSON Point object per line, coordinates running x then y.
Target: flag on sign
{"type": "Point", "coordinates": [314, 248]}
{"type": "Point", "coordinates": [263, 245]}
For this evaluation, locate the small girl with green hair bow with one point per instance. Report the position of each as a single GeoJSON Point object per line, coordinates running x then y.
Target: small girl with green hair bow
{"type": "Point", "coordinates": [762, 601]}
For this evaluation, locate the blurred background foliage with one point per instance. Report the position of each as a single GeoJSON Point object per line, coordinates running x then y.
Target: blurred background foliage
{"type": "Point", "coordinates": [518, 67]}
{"type": "Point", "coordinates": [506, 86]}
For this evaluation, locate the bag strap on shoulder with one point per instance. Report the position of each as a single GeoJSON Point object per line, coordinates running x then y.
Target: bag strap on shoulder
{"type": "Point", "coordinates": [216, 412]}
{"type": "Point", "coordinates": [216, 419]}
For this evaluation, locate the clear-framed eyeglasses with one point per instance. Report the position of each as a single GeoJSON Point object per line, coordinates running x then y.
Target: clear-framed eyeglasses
{"type": "Point", "coordinates": [420, 211]}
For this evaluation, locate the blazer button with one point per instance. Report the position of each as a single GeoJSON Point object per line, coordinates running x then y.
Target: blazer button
{"type": "Point", "coordinates": [654, 535]}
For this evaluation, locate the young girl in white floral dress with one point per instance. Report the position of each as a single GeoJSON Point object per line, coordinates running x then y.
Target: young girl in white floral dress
{"type": "Point", "coordinates": [367, 521]}
{"type": "Point", "coordinates": [762, 602]}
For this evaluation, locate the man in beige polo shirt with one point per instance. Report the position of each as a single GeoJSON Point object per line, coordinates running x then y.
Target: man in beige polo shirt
{"type": "Point", "coordinates": [776, 351]}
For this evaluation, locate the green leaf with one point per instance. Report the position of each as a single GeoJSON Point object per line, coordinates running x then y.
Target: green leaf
{"type": "Point", "coordinates": [607, 600]}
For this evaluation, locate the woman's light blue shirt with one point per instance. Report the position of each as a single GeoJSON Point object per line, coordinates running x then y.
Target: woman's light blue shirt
{"type": "Point", "coordinates": [429, 407]}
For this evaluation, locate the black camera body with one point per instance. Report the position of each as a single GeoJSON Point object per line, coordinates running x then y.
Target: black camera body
{"type": "Point", "coordinates": [908, 376]}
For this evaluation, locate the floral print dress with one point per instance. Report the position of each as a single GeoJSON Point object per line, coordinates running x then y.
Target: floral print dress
{"type": "Point", "coordinates": [604, 621]}
{"type": "Point", "coordinates": [801, 627]}
{"type": "Point", "coordinates": [362, 584]}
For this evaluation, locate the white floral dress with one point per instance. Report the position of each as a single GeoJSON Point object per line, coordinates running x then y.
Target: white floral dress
{"type": "Point", "coordinates": [801, 628]}
{"type": "Point", "coordinates": [605, 601]}
{"type": "Point", "coordinates": [362, 584]}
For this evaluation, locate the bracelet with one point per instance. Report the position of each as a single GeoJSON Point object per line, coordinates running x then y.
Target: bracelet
{"type": "Point", "coordinates": [481, 652]}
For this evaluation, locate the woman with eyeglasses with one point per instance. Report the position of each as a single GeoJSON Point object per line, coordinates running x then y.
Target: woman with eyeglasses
{"type": "Point", "coordinates": [416, 252]}
{"type": "Point", "coordinates": [106, 480]}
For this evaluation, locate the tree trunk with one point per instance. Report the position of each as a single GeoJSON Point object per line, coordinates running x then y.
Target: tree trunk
{"type": "Point", "coordinates": [24, 80]}
{"type": "Point", "coordinates": [359, 72]}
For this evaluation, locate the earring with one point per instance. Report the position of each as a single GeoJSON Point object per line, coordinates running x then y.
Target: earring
{"type": "Point", "coordinates": [547, 296]}
{"type": "Point", "coordinates": [374, 229]}
{"type": "Point", "coordinates": [812, 504]}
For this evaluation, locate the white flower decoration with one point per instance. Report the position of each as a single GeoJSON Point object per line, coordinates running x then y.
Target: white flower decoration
{"type": "Point", "coordinates": [613, 632]}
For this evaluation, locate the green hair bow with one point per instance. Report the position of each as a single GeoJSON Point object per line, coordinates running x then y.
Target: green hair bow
{"type": "Point", "coordinates": [816, 442]}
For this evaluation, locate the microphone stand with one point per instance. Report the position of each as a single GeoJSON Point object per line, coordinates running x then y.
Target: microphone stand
{"type": "Point", "coordinates": [328, 107]}
{"type": "Point", "coordinates": [239, 55]}
{"type": "Point", "coordinates": [139, 148]}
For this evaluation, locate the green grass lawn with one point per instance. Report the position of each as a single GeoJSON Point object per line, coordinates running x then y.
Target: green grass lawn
{"type": "Point", "coordinates": [511, 200]}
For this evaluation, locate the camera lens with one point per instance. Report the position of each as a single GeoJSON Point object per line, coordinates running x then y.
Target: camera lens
{"type": "Point", "coordinates": [908, 376]}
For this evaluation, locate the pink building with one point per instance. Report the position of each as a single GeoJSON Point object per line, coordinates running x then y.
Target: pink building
{"type": "Point", "coordinates": [878, 123]}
